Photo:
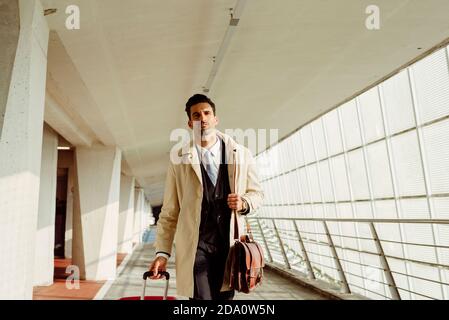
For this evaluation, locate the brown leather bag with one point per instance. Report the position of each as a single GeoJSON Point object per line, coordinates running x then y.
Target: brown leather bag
{"type": "Point", "coordinates": [247, 261]}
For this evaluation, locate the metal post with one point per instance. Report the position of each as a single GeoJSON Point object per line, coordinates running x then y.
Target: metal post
{"type": "Point", "coordinates": [287, 263]}
{"type": "Point", "coordinates": [344, 283]}
{"type": "Point", "coordinates": [383, 260]}
{"type": "Point", "coordinates": [270, 258]}
{"type": "Point", "coordinates": [304, 252]}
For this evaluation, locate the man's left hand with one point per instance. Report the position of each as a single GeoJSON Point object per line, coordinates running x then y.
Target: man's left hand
{"type": "Point", "coordinates": [235, 202]}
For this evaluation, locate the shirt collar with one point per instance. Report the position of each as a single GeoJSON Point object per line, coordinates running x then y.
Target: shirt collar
{"type": "Point", "coordinates": [215, 149]}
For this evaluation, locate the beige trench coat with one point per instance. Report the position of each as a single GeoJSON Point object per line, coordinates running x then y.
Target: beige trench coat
{"type": "Point", "coordinates": [180, 215]}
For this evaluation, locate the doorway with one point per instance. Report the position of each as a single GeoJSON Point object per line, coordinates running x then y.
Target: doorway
{"type": "Point", "coordinates": [61, 207]}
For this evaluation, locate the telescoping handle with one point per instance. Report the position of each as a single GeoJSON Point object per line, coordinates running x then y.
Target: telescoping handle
{"type": "Point", "coordinates": [150, 273]}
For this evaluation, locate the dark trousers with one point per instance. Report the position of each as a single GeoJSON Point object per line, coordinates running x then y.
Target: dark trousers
{"type": "Point", "coordinates": [208, 276]}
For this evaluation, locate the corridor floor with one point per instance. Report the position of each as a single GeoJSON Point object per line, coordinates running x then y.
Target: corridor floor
{"type": "Point", "coordinates": [129, 282]}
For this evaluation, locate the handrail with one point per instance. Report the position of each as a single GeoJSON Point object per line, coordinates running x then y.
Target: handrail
{"type": "Point", "coordinates": [367, 220]}
{"type": "Point", "coordinates": [279, 236]}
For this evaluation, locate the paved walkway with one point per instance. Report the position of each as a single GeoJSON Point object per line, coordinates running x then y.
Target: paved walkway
{"type": "Point", "coordinates": [129, 282]}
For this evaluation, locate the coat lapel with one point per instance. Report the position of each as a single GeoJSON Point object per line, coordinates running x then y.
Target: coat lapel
{"type": "Point", "coordinates": [191, 158]}
{"type": "Point", "coordinates": [196, 164]}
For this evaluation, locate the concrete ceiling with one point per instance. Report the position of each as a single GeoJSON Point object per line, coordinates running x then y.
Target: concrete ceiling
{"type": "Point", "coordinates": [124, 77]}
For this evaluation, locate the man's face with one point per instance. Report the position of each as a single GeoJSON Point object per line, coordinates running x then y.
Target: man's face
{"type": "Point", "coordinates": [202, 116]}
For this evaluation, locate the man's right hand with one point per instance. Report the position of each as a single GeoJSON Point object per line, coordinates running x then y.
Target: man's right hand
{"type": "Point", "coordinates": [159, 264]}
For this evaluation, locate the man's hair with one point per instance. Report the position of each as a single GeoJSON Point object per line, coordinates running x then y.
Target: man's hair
{"type": "Point", "coordinates": [198, 98]}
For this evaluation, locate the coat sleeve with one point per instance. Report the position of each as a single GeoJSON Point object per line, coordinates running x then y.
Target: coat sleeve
{"type": "Point", "coordinates": [168, 218]}
{"type": "Point", "coordinates": [254, 194]}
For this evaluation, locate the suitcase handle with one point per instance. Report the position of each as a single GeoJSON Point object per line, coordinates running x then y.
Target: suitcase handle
{"type": "Point", "coordinates": [150, 273]}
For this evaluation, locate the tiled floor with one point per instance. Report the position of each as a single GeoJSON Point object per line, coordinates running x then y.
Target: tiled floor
{"type": "Point", "coordinates": [129, 282]}
{"type": "Point", "coordinates": [59, 291]}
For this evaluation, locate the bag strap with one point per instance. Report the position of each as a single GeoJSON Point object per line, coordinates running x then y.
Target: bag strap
{"type": "Point", "coordinates": [234, 180]}
{"type": "Point", "coordinates": [236, 227]}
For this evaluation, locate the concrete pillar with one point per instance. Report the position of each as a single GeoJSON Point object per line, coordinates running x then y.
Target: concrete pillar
{"type": "Point", "coordinates": [21, 118]}
{"type": "Point", "coordinates": [95, 212]}
{"type": "Point", "coordinates": [148, 214]}
{"type": "Point", "coordinates": [45, 236]}
{"type": "Point", "coordinates": [9, 38]}
{"type": "Point", "coordinates": [126, 215]}
{"type": "Point", "coordinates": [138, 213]}
{"type": "Point", "coordinates": [144, 216]}
{"type": "Point", "coordinates": [150, 217]}
{"type": "Point", "coordinates": [136, 216]}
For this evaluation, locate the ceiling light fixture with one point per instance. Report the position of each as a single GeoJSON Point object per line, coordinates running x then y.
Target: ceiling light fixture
{"type": "Point", "coordinates": [49, 11]}
{"type": "Point", "coordinates": [236, 13]}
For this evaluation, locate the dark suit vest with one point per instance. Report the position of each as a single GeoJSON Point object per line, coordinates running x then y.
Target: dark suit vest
{"type": "Point", "coordinates": [215, 212]}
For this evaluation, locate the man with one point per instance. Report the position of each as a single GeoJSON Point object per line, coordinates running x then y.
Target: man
{"type": "Point", "coordinates": [215, 180]}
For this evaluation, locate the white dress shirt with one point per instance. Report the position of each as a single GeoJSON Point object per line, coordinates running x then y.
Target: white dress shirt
{"type": "Point", "coordinates": [213, 152]}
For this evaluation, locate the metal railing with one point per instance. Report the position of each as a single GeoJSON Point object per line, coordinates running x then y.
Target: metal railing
{"type": "Point", "coordinates": [277, 241]}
